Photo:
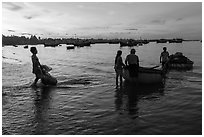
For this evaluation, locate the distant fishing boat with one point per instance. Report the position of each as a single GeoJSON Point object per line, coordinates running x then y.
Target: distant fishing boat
{"type": "Point", "coordinates": [70, 47]}
{"type": "Point", "coordinates": [145, 76]}
{"type": "Point", "coordinates": [175, 41]}
{"type": "Point", "coordinates": [25, 47]}
{"type": "Point", "coordinates": [140, 44]}
{"type": "Point", "coordinates": [51, 44]}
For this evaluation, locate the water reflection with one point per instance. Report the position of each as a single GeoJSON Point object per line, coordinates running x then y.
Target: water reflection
{"type": "Point", "coordinates": [129, 95]}
{"type": "Point", "coordinates": [42, 101]}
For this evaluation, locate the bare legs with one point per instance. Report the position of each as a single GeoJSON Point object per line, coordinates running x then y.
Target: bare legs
{"type": "Point", "coordinates": [121, 80]}
{"type": "Point", "coordinates": [35, 81]}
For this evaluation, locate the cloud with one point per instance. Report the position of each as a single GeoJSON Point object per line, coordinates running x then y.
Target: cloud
{"type": "Point", "coordinates": [11, 6]}
{"type": "Point", "coordinates": [28, 17]}
{"type": "Point", "coordinates": [179, 19]}
{"type": "Point", "coordinates": [131, 29]}
{"type": "Point", "coordinates": [158, 22]}
{"type": "Point", "coordinates": [11, 30]}
{"type": "Point", "coordinates": [25, 33]}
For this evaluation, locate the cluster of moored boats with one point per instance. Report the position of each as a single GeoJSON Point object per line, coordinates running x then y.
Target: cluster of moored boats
{"type": "Point", "coordinates": [131, 42]}
{"type": "Point", "coordinates": [70, 45]}
{"type": "Point", "coordinates": [154, 75]}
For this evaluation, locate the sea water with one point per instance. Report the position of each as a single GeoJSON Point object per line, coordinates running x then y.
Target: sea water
{"type": "Point", "coordinates": [85, 101]}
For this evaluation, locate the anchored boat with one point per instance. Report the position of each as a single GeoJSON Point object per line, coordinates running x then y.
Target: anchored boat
{"type": "Point", "coordinates": [145, 76]}
{"type": "Point", "coordinates": [179, 61]}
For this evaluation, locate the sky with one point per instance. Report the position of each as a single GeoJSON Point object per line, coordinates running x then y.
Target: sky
{"type": "Point", "coordinates": [137, 20]}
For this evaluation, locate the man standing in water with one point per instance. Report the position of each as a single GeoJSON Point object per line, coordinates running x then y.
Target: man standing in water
{"type": "Point", "coordinates": [132, 61]}
{"type": "Point", "coordinates": [164, 57]}
{"type": "Point", "coordinates": [37, 69]}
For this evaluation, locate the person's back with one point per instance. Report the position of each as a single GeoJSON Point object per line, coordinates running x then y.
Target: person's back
{"type": "Point", "coordinates": [165, 56]}
{"type": "Point", "coordinates": [132, 59]}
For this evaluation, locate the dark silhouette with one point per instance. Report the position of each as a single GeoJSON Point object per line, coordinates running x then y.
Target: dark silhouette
{"type": "Point", "coordinates": [132, 61]}
{"type": "Point", "coordinates": [118, 67]}
{"type": "Point", "coordinates": [34, 40]}
{"type": "Point", "coordinates": [36, 65]}
{"type": "Point", "coordinates": [164, 57]}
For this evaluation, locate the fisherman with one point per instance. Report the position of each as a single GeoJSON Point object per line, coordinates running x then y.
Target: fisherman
{"type": "Point", "coordinates": [164, 57]}
{"type": "Point", "coordinates": [132, 61]}
{"type": "Point", "coordinates": [37, 69]}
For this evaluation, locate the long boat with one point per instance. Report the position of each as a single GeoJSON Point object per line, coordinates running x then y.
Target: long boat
{"type": "Point", "coordinates": [145, 76]}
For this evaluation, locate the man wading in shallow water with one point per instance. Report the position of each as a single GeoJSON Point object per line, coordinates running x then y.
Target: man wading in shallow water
{"type": "Point", "coordinates": [37, 69]}
{"type": "Point", "coordinates": [164, 58]}
{"type": "Point", "coordinates": [132, 61]}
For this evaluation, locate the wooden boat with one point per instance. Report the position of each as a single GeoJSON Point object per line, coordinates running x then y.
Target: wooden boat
{"type": "Point", "coordinates": [179, 61]}
{"type": "Point", "coordinates": [49, 80]}
{"type": "Point", "coordinates": [25, 47]}
{"type": "Point", "coordinates": [145, 76]}
{"type": "Point", "coordinates": [140, 44]}
{"type": "Point", "coordinates": [70, 47]}
{"type": "Point", "coordinates": [50, 45]}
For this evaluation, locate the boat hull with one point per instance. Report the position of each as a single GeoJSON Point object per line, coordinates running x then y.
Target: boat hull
{"type": "Point", "coordinates": [145, 76]}
{"type": "Point", "coordinates": [179, 61]}
{"type": "Point", "coordinates": [49, 80]}
{"type": "Point", "coordinates": [180, 66]}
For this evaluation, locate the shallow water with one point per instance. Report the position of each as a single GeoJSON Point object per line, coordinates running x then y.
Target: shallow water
{"type": "Point", "coordinates": [85, 100]}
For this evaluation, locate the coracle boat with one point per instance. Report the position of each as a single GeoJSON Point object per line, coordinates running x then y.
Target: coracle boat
{"type": "Point", "coordinates": [179, 61]}
{"type": "Point", "coordinates": [47, 79]}
{"type": "Point", "coordinates": [145, 76]}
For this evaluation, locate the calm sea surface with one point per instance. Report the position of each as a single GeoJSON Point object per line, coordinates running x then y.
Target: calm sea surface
{"type": "Point", "coordinates": [85, 100]}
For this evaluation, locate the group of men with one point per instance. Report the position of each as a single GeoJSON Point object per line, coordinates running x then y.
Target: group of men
{"type": "Point", "coordinates": [132, 61]}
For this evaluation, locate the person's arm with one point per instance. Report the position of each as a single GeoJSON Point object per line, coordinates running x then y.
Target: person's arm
{"type": "Point", "coordinates": [38, 62]}
{"type": "Point", "coordinates": [121, 61]}
{"type": "Point", "coordinates": [160, 58]}
{"type": "Point", "coordinates": [138, 61]}
{"type": "Point", "coordinates": [126, 61]}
